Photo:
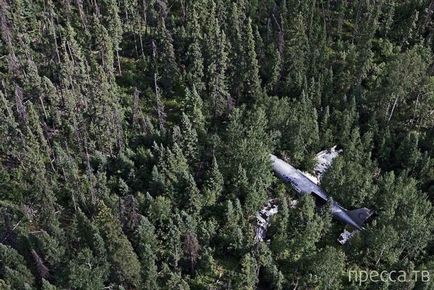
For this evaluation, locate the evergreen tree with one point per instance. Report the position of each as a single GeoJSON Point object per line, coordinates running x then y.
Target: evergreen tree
{"type": "Point", "coordinates": [136, 140]}
{"type": "Point", "coordinates": [84, 273]}
{"type": "Point", "coordinates": [214, 183]}
{"type": "Point", "coordinates": [219, 99]}
{"type": "Point", "coordinates": [326, 269]}
{"type": "Point", "coordinates": [195, 62]}
{"type": "Point", "coordinates": [232, 232]}
{"type": "Point", "coordinates": [251, 73]}
{"type": "Point", "coordinates": [193, 106]}
{"type": "Point", "coordinates": [248, 276]}
{"type": "Point", "coordinates": [295, 52]}
{"type": "Point", "coordinates": [165, 54]}
{"type": "Point", "coordinates": [13, 269]}
{"type": "Point", "coordinates": [125, 266]}
{"type": "Point", "coordinates": [146, 248]}
{"type": "Point", "coordinates": [189, 142]}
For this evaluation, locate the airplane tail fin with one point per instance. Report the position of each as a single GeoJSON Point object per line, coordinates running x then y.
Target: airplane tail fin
{"type": "Point", "coordinates": [360, 215]}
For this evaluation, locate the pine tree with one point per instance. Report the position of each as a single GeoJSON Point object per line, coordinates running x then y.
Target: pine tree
{"type": "Point", "coordinates": [125, 266]}
{"type": "Point", "coordinates": [251, 73]}
{"type": "Point", "coordinates": [295, 51]}
{"type": "Point", "coordinates": [189, 142]}
{"type": "Point", "coordinates": [167, 66]}
{"type": "Point", "coordinates": [173, 244]}
{"type": "Point", "coordinates": [326, 132]}
{"type": "Point", "coordinates": [47, 285]}
{"type": "Point", "coordinates": [146, 244]}
{"type": "Point", "coordinates": [15, 273]}
{"type": "Point", "coordinates": [88, 234]}
{"type": "Point", "coordinates": [84, 273]}
{"type": "Point", "coordinates": [354, 173]}
{"type": "Point", "coordinates": [236, 55]}
{"type": "Point", "coordinates": [326, 268]}
{"type": "Point", "coordinates": [279, 229]}
{"type": "Point", "coordinates": [248, 143]}
{"type": "Point", "coordinates": [275, 70]}
{"type": "Point", "coordinates": [232, 231]}
{"type": "Point", "coordinates": [408, 154]}
{"type": "Point", "coordinates": [193, 198]}
{"type": "Point", "coordinates": [114, 27]}
{"type": "Point", "coordinates": [248, 277]}
{"type": "Point", "coordinates": [195, 62]}
{"type": "Point", "coordinates": [405, 217]}
{"type": "Point", "coordinates": [306, 226]}
{"type": "Point", "coordinates": [193, 106]}
{"type": "Point", "coordinates": [105, 43]}
{"type": "Point", "coordinates": [219, 102]}
{"type": "Point", "coordinates": [159, 106]}
{"type": "Point", "coordinates": [241, 184]}
{"type": "Point", "coordinates": [214, 183]}
{"type": "Point", "coordinates": [160, 209]}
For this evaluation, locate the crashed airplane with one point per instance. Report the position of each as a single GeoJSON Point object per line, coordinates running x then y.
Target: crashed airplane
{"type": "Point", "coordinates": [305, 183]}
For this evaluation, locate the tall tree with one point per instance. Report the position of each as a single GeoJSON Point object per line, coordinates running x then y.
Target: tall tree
{"type": "Point", "coordinates": [125, 266]}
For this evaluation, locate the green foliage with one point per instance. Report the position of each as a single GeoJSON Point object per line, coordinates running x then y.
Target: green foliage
{"type": "Point", "coordinates": [135, 140]}
{"type": "Point", "coordinates": [125, 266]}
{"type": "Point", "coordinates": [84, 273]}
{"type": "Point", "coordinates": [326, 269]}
{"type": "Point", "coordinates": [13, 270]}
{"type": "Point", "coordinates": [214, 183]}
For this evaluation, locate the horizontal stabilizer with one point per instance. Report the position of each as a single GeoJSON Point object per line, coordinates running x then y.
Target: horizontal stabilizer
{"type": "Point", "coordinates": [360, 215]}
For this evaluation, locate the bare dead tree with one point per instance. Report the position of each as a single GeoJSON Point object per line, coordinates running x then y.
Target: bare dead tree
{"type": "Point", "coordinates": [393, 108]}
{"type": "Point", "coordinates": [21, 108]}
{"type": "Point", "coordinates": [4, 24]}
{"type": "Point", "coordinates": [129, 212]}
{"type": "Point", "coordinates": [135, 110]}
{"type": "Point", "coordinates": [83, 20]}
{"type": "Point", "coordinates": [119, 130]}
{"type": "Point", "coordinates": [163, 9]}
{"type": "Point", "coordinates": [97, 10]}
{"type": "Point", "coordinates": [40, 267]}
{"type": "Point", "coordinates": [53, 32]}
{"type": "Point", "coordinates": [159, 105]}
{"type": "Point", "coordinates": [6, 35]}
{"type": "Point", "coordinates": [191, 248]}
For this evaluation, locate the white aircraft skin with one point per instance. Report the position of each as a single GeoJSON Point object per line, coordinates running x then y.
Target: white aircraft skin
{"type": "Point", "coordinates": [303, 185]}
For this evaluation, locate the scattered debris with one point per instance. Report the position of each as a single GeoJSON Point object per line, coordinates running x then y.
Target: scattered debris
{"type": "Point", "coordinates": [323, 161]}
{"type": "Point", "coordinates": [345, 236]}
{"type": "Point", "coordinates": [264, 215]}
{"type": "Point", "coordinates": [263, 219]}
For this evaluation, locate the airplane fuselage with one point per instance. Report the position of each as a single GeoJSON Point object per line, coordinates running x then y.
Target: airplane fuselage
{"type": "Point", "coordinates": [303, 185]}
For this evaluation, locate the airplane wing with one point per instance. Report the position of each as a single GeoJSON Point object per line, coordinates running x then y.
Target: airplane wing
{"type": "Point", "coordinates": [323, 160]}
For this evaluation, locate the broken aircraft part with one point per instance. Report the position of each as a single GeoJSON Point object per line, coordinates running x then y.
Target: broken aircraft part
{"type": "Point", "coordinates": [308, 184]}
{"type": "Point", "coordinates": [263, 217]}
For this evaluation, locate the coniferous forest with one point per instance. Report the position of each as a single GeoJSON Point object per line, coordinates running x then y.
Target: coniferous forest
{"type": "Point", "coordinates": [135, 138]}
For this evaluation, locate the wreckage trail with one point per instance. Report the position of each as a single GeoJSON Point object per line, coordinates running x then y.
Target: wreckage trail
{"type": "Point", "coordinates": [304, 183]}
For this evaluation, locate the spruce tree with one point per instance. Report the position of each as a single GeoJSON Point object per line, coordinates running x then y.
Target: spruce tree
{"type": "Point", "coordinates": [125, 266]}
{"type": "Point", "coordinates": [15, 274]}
{"type": "Point", "coordinates": [214, 183]}
{"type": "Point", "coordinates": [251, 73]}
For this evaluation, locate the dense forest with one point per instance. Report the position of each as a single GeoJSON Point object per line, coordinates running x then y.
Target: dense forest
{"type": "Point", "coordinates": [135, 138]}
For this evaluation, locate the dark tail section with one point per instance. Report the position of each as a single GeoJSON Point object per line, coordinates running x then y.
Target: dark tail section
{"type": "Point", "coordinates": [360, 215]}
